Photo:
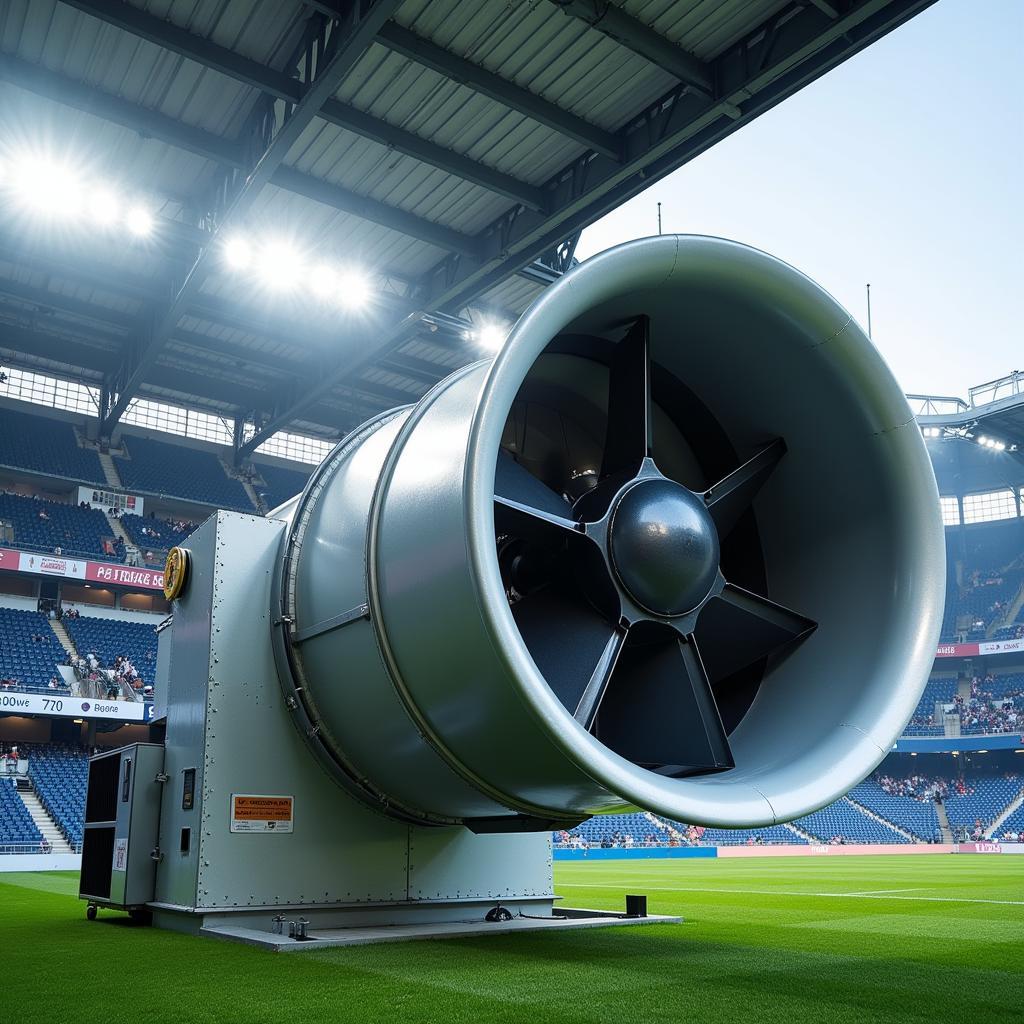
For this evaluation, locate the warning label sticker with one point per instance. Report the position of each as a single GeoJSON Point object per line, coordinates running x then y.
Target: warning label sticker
{"type": "Point", "coordinates": [120, 854]}
{"type": "Point", "coordinates": [256, 813]}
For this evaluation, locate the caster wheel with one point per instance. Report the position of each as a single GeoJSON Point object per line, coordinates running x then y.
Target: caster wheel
{"type": "Point", "coordinates": [90, 912]}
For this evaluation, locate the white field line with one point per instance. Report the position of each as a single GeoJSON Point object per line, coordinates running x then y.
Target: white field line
{"type": "Point", "coordinates": [829, 895]}
{"type": "Point", "coordinates": [875, 892]}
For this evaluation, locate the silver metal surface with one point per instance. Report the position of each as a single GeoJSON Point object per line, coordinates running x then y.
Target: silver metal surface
{"type": "Point", "coordinates": [437, 702]}
{"type": "Point", "coordinates": [228, 717]}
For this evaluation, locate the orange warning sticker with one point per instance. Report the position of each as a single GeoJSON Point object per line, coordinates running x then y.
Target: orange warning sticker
{"type": "Point", "coordinates": [259, 813]}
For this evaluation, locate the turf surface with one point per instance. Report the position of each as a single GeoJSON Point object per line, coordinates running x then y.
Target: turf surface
{"type": "Point", "coordinates": [790, 940]}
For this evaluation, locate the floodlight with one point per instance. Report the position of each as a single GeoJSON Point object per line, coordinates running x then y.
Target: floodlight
{"type": "Point", "coordinates": [279, 265]}
{"type": "Point", "coordinates": [491, 336]}
{"type": "Point", "coordinates": [237, 253]}
{"type": "Point", "coordinates": [139, 221]}
{"type": "Point", "coordinates": [355, 289]}
{"type": "Point", "coordinates": [47, 188]}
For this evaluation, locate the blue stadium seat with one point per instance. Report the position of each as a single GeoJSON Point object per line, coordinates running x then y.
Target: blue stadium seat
{"type": "Point", "coordinates": [78, 532]}
{"type": "Point", "coordinates": [108, 638]}
{"type": "Point", "coordinates": [59, 775]}
{"type": "Point", "coordinates": [167, 535]}
{"type": "Point", "coordinates": [613, 828]}
{"type": "Point", "coordinates": [912, 815]}
{"type": "Point", "coordinates": [844, 820]}
{"type": "Point", "coordinates": [31, 663]}
{"type": "Point", "coordinates": [43, 445]}
{"type": "Point", "coordinates": [773, 835]}
{"type": "Point", "coordinates": [986, 799]}
{"type": "Point", "coordinates": [17, 829]}
{"type": "Point", "coordinates": [154, 467]}
{"type": "Point", "coordinates": [279, 484]}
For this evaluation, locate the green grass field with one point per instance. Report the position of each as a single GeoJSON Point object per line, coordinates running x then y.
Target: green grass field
{"type": "Point", "coordinates": [826, 940]}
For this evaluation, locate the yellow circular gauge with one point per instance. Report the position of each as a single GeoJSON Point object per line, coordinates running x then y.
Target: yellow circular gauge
{"type": "Point", "coordinates": [176, 572]}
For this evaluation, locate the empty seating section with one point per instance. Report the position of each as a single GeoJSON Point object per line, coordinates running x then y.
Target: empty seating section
{"type": "Point", "coordinates": [280, 484]}
{"type": "Point", "coordinates": [154, 467]}
{"type": "Point", "coordinates": [853, 825]}
{"type": "Point", "coordinates": [985, 800]}
{"type": "Point", "coordinates": [149, 533]}
{"type": "Point", "coordinates": [923, 722]}
{"type": "Point", "coordinates": [29, 651]}
{"type": "Point", "coordinates": [108, 638]}
{"type": "Point", "coordinates": [59, 776]}
{"type": "Point", "coordinates": [984, 575]}
{"type": "Point", "coordinates": [47, 446]}
{"type": "Point", "coordinates": [1010, 684]}
{"type": "Point", "coordinates": [17, 829]}
{"type": "Point", "coordinates": [915, 816]}
{"type": "Point", "coordinates": [47, 525]}
{"type": "Point", "coordinates": [1014, 824]}
{"type": "Point", "coordinates": [613, 829]}
{"type": "Point", "coordinates": [773, 835]}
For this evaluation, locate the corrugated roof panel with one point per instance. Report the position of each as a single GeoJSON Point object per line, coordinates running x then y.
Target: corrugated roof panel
{"type": "Point", "coordinates": [84, 48]}
{"type": "Point", "coordinates": [120, 156]}
{"type": "Point", "coordinates": [512, 295]}
{"type": "Point", "coordinates": [339, 235]}
{"type": "Point", "coordinates": [263, 30]}
{"type": "Point", "coordinates": [366, 168]}
{"type": "Point", "coordinates": [453, 116]}
{"type": "Point", "coordinates": [540, 48]}
{"type": "Point", "coordinates": [706, 27]}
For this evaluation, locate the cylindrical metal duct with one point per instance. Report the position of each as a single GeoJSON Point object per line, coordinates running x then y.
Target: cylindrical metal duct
{"type": "Point", "coordinates": [676, 547]}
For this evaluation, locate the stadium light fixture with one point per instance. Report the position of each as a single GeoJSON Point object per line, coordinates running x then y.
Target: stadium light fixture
{"type": "Point", "coordinates": [491, 336]}
{"type": "Point", "coordinates": [139, 221]}
{"type": "Point", "coordinates": [354, 290]}
{"type": "Point", "coordinates": [47, 188]}
{"type": "Point", "coordinates": [237, 253]}
{"type": "Point", "coordinates": [279, 266]}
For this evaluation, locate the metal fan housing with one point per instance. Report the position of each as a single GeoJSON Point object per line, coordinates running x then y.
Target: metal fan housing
{"type": "Point", "coordinates": [765, 524]}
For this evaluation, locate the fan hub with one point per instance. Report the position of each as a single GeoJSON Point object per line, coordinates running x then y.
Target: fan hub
{"type": "Point", "coordinates": [664, 546]}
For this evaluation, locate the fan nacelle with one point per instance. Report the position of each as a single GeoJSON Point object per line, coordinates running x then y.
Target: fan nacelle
{"type": "Point", "coordinates": [677, 547]}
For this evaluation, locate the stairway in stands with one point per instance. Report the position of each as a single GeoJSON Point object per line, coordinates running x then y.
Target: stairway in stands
{"type": "Point", "coordinates": [243, 479]}
{"type": "Point", "coordinates": [110, 473]}
{"type": "Point", "coordinates": [883, 821]}
{"type": "Point", "coordinates": [993, 829]}
{"type": "Point", "coordinates": [813, 840]}
{"type": "Point", "coordinates": [1012, 611]}
{"type": "Point", "coordinates": [947, 832]}
{"type": "Point", "coordinates": [118, 530]}
{"type": "Point", "coordinates": [46, 825]}
{"type": "Point", "coordinates": [62, 634]}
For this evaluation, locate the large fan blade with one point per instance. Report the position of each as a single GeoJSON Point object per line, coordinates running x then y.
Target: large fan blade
{"type": "Point", "coordinates": [568, 640]}
{"type": "Point", "coordinates": [628, 435]}
{"type": "Point", "coordinates": [659, 711]}
{"type": "Point", "coordinates": [739, 628]}
{"type": "Point", "coordinates": [590, 702]}
{"type": "Point", "coordinates": [732, 496]}
{"type": "Point", "coordinates": [522, 502]}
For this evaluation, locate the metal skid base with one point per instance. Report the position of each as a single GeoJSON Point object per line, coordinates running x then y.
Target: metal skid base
{"type": "Point", "coordinates": [328, 938]}
{"type": "Point", "coordinates": [353, 925]}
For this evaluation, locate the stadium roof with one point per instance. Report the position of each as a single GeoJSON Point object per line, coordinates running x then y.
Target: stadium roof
{"type": "Point", "coordinates": [451, 151]}
{"type": "Point", "coordinates": [990, 418]}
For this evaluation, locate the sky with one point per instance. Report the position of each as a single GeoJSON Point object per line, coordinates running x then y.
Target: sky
{"type": "Point", "coordinates": [902, 168]}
